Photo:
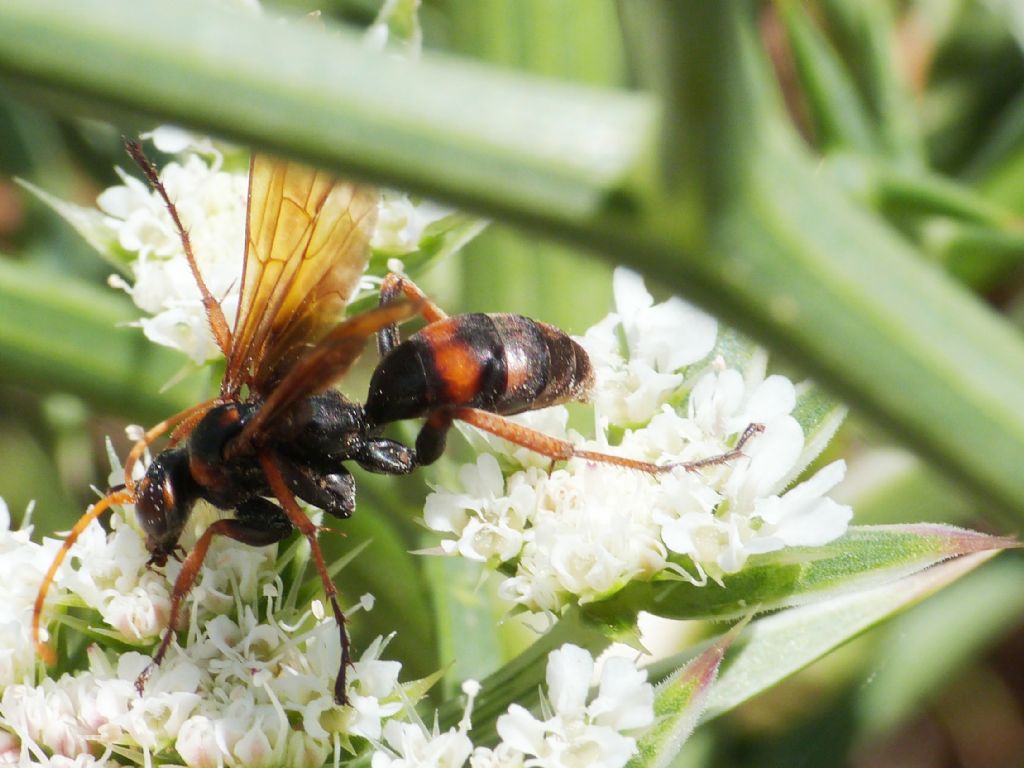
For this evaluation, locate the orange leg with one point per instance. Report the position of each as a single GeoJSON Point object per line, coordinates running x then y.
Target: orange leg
{"type": "Point", "coordinates": [395, 283]}
{"type": "Point", "coordinates": [182, 586]}
{"type": "Point", "coordinates": [258, 523]}
{"type": "Point", "coordinates": [300, 520]}
{"type": "Point", "coordinates": [97, 509]}
{"type": "Point", "coordinates": [187, 418]}
{"type": "Point", "coordinates": [560, 450]}
{"type": "Point", "coordinates": [393, 286]}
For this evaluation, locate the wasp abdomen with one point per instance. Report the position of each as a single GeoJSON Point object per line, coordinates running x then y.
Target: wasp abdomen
{"type": "Point", "coordinates": [501, 363]}
{"type": "Point", "coordinates": [543, 366]}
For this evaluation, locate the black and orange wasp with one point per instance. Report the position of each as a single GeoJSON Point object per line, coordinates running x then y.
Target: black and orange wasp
{"type": "Point", "coordinates": [278, 431]}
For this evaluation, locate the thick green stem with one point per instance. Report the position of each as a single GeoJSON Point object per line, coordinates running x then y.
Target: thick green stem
{"type": "Point", "coordinates": [62, 335]}
{"type": "Point", "coordinates": [733, 215]}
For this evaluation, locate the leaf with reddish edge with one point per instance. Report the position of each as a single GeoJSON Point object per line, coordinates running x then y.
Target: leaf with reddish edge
{"type": "Point", "coordinates": [865, 557]}
{"type": "Point", "coordinates": [679, 701]}
{"type": "Point", "coordinates": [775, 647]}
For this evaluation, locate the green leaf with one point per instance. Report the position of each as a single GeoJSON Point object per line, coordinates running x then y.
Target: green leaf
{"type": "Point", "coordinates": [918, 655]}
{"type": "Point", "coordinates": [900, 191]}
{"type": "Point", "coordinates": [323, 92]}
{"type": "Point", "coordinates": [60, 334]}
{"type": "Point", "coordinates": [88, 222]}
{"type": "Point", "coordinates": [774, 648]}
{"type": "Point", "coordinates": [865, 31]}
{"type": "Point", "coordinates": [467, 620]}
{"type": "Point", "coordinates": [864, 557]}
{"type": "Point", "coordinates": [836, 110]}
{"type": "Point", "coordinates": [678, 704]}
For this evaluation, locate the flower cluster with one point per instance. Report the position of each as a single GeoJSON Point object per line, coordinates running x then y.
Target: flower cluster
{"type": "Point", "coordinates": [665, 395]}
{"type": "Point", "coordinates": [254, 687]}
{"type": "Point", "coordinates": [229, 695]}
{"type": "Point", "coordinates": [574, 732]}
{"type": "Point", "coordinates": [211, 202]}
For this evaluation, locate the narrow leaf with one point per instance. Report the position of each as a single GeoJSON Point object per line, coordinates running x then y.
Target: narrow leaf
{"type": "Point", "coordinates": [835, 108]}
{"type": "Point", "coordinates": [58, 333]}
{"type": "Point", "coordinates": [866, 30]}
{"type": "Point", "coordinates": [901, 191]}
{"type": "Point", "coordinates": [778, 646]}
{"type": "Point", "coordinates": [679, 702]}
{"type": "Point", "coordinates": [918, 654]}
{"type": "Point", "coordinates": [88, 222]}
{"type": "Point", "coordinates": [865, 557]}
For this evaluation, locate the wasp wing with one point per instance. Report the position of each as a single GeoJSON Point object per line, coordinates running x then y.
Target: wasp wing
{"type": "Point", "coordinates": [307, 245]}
{"type": "Point", "coordinates": [323, 365]}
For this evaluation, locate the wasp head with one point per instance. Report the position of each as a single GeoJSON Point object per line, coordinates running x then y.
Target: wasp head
{"type": "Point", "coordinates": [164, 500]}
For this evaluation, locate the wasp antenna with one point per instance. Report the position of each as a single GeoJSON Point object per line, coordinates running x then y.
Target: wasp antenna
{"type": "Point", "coordinates": [97, 509]}
{"type": "Point", "coordinates": [214, 313]}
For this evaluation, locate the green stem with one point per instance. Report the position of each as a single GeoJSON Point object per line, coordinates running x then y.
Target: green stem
{"type": "Point", "coordinates": [62, 335]}
{"type": "Point", "coordinates": [735, 217]}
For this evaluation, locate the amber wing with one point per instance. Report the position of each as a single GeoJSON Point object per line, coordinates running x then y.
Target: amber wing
{"type": "Point", "coordinates": [307, 245]}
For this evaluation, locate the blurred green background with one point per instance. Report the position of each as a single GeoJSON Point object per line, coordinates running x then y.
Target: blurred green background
{"type": "Point", "coordinates": [916, 108]}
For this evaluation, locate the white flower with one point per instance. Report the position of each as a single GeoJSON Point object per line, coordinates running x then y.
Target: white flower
{"type": "Point", "coordinates": [372, 691]}
{"type": "Point", "coordinates": [668, 336]}
{"type": "Point", "coordinates": [578, 733]}
{"type": "Point", "coordinates": [211, 203]}
{"type": "Point", "coordinates": [803, 516]}
{"type": "Point", "coordinates": [661, 339]}
{"type": "Point", "coordinates": [228, 695]}
{"type": "Point", "coordinates": [488, 521]}
{"type": "Point", "coordinates": [22, 566]}
{"type": "Point", "coordinates": [582, 532]}
{"type": "Point", "coordinates": [401, 223]}
{"type": "Point", "coordinates": [412, 747]}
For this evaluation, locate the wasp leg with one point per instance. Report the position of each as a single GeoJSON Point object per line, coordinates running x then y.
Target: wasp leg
{"type": "Point", "coordinates": [259, 522]}
{"type": "Point", "coordinates": [334, 492]}
{"type": "Point", "coordinates": [386, 457]}
{"type": "Point", "coordinates": [393, 286]}
{"type": "Point", "coordinates": [559, 450]}
{"type": "Point", "coordinates": [433, 436]}
{"type": "Point", "coordinates": [97, 509]}
{"type": "Point", "coordinates": [272, 468]}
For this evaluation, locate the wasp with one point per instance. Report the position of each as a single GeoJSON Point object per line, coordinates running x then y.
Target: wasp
{"type": "Point", "coordinates": [278, 431]}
